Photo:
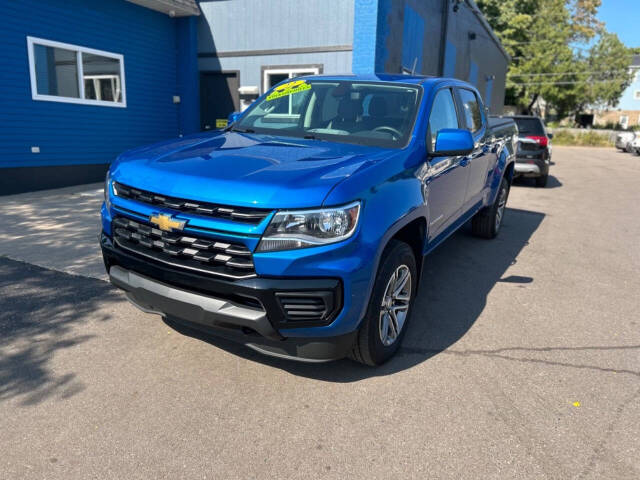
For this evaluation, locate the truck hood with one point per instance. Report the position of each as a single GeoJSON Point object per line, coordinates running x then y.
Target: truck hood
{"type": "Point", "coordinates": [244, 169]}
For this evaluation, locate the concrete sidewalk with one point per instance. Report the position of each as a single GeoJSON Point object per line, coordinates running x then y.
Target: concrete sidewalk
{"type": "Point", "coordinates": [56, 229]}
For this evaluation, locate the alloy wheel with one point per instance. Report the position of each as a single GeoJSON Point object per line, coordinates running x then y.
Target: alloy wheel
{"type": "Point", "coordinates": [395, 305]}
{"type": "Point", "coordinates": [502, 202]}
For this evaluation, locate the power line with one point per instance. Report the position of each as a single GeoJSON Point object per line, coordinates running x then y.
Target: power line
{"type": "Point", "coordinates": [565, 73]}
{"type": "Point", "coordinates": [560, 83]}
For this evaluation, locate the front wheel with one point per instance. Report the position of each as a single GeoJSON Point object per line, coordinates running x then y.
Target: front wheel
{"type": "Point", "coordinates": [487, 222]}
{"type": "Point", "coordinates": [385, 323]}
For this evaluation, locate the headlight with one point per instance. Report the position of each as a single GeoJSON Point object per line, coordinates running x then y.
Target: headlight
{"type": "Point", "coordinates": [291, 229]}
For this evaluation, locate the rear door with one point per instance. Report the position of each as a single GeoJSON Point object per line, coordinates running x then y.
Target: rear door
{"type": "Point", "coordinates": [447, 178]}
{"type": "Point", "coordinates": [218, 98]}
{"type": "Point", "coordinates": [482, 158]}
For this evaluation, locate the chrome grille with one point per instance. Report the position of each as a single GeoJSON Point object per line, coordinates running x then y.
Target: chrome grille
{"type": "Point", "coordinates": [184, 250]}
{"type": "Point", "coordinates": [237, 214]}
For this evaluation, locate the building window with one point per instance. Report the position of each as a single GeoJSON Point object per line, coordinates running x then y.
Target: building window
{"type": "Point", "coordinates": [67, 73]}
{"type": "Point", "coordinates": [273, 75]}
{"type": "Point", "coordinates": [636, 95]}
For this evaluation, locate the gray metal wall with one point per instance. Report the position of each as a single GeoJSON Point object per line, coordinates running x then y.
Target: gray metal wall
{"type": "Point", "coordinates": [247, 35]}
{"type": "Point", "coordinates": [453, 57]}
{"type": "Point", "coordinates": [483, 51]}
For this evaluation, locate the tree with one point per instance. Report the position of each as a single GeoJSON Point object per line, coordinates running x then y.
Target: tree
{"type": "Point", "coordinates": [543, 38]}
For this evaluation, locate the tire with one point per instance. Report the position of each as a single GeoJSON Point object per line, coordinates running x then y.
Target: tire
{"type": "Point", "coordinates": [377, 341]}
{"type": "Point", "coordinates": [487, 222]}
{"type": "Point", "coordinates": [541, 181]}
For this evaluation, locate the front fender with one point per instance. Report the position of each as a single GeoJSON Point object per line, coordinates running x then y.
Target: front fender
{"type": "Point", "coordinates": [388, 206]}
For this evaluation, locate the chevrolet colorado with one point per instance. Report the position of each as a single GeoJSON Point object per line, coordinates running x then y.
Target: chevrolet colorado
{"type": "Point", "coordinates": [301, 229]}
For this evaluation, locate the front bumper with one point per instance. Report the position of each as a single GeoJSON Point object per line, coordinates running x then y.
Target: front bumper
{"type": "Point", "coordinates": [249, 311]}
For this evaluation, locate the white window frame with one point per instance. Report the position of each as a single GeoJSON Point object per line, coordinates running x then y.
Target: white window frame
{"type": "Point", "coordinates": [290, 71]}
{"type": "Point", "coordinates": [636, 95]}
{"type": "Point", "coordinates": [31, 41]}
{"type": "Point", "coordinates": [315, 70]}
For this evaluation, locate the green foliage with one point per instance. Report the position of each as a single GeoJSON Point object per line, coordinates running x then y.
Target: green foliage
{"type": "Point", "coordinates": [542, 37]}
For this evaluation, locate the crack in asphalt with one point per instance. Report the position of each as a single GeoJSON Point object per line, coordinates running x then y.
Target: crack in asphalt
{"type": "Point", "coordinates": [496, 353]}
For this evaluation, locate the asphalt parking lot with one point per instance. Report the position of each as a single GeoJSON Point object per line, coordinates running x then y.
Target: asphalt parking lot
{"type": "Point", "coordinates": [522, 359]}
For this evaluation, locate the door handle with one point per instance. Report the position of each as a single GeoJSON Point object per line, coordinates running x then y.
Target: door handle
{"type": "Point", "coordinates": [464, 161]}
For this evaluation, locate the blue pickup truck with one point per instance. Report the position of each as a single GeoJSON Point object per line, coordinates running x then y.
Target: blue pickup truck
{"type": "Point", "coordinates": [301, 229]}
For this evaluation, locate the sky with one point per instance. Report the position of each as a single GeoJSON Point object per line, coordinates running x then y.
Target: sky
{"type": "Point", "coordinates": [622, 17]}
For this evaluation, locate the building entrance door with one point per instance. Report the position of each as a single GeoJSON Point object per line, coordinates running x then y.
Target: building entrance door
{"type": "Point", "coordinates": [218, 98]}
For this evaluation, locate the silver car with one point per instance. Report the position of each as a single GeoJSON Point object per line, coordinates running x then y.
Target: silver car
{"type": "Point", "coordinates": [624, 139]}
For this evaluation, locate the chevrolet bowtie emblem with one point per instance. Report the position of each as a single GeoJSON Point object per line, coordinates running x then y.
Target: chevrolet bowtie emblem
{"type": "Point", "coordinates": [167, 222]}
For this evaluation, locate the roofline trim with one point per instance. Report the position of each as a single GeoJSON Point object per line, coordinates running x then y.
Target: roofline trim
{"type": "Point", "coordinates": [168, 7]}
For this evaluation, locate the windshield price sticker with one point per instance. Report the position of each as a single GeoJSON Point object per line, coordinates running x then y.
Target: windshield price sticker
{"type": "Point", "coordinates": [289, 89]}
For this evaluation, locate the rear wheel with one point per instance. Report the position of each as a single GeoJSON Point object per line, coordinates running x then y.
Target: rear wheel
{"type": "Point", "coordinates": [385, 323]}
{"type": "Point", "coordinates": [541, 181]}
{"type": "Point", "coordinates": [487, 222]}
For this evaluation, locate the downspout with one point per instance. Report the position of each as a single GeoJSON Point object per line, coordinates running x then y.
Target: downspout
{"type": "Point", "coordinates": [444, 28]}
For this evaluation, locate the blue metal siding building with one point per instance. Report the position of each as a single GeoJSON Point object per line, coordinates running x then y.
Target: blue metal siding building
{"type": "Point", "coordinates": [52, 143]}
{"type": "Point", "coordinates": [85, 80]}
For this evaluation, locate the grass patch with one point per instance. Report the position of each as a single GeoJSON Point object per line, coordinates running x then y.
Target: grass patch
{"type": "Point", "coordinates": [587, 139]}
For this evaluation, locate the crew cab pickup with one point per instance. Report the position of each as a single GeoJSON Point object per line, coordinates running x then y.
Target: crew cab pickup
{"type": "Point", "coordinates": [301, 229]}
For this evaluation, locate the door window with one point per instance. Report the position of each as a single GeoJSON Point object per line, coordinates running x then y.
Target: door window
{"type": "Point", "coordinates": [471, 110]}
{"type": "Point", "coordinates": [443, 115]}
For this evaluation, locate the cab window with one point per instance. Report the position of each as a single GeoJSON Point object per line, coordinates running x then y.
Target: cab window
{"type": "Point", "coordinates": [443, 115]}
{"type": "Point", "coordinates": [471, 110]}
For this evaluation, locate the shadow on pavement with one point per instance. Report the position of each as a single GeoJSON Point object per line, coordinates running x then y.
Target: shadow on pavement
{"type": "Point", "coordinates": [39, 309]}
{"type": "Point", "coordinates": [457, 278]}
{"type": "Point", "coordinates": [55, 229]}
{"type": "Point", "coordinates": [552, 182]}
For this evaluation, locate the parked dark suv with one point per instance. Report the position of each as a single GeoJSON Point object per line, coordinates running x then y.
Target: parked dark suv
{"type": "Point", "coordinates": [534, 149]}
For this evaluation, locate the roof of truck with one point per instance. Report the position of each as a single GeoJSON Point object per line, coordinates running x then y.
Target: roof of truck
{"type": "Point", "coordinates": [388, 77]}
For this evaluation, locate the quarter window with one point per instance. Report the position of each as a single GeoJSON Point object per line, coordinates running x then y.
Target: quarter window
{"type": "Point", "coordinates": [443, 115]}
{"type": "Point", "coordinates": [471, 110]}
{"type": "Point", "coordinates": [67, 73]}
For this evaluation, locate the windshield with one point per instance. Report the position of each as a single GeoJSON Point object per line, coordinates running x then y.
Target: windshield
{"type": "Point", "coordinates": [363, 113]}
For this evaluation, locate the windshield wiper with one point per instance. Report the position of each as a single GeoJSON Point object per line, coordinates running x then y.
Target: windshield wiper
{"type": "Point", "coordinates": [239, 130]}
{"type": "Point", "coordinates": [310, 136]}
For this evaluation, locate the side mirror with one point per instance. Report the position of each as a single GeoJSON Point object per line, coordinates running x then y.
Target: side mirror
{"type": "Point", "coordinates": [550, 135]}
{"type": "Point", "coordinates": [452, 142]}
{"type": "Point", "coordinates": [233, 116]}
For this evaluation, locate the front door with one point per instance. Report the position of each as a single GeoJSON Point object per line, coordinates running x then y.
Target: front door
{"type": "Point", "coordinates": [218, 98]}
{"type": "Point", "coordinates": [447, 176]}
{"type": "Point", "coordinates": [482, 157]}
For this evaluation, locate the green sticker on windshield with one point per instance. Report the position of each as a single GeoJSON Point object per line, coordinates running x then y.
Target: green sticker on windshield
{"type": "Point", "coordinates": [289, 88]}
